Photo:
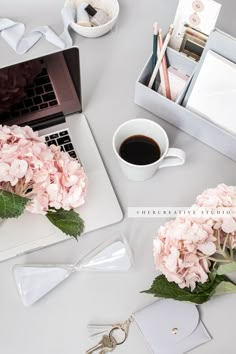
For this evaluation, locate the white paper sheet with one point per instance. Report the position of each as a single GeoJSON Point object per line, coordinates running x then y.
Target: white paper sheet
{"type": "Point", "coordinates": [214, 93]}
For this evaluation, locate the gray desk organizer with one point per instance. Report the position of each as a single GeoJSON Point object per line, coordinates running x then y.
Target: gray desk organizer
{"type": "Point", "coordinates": [175, 112]}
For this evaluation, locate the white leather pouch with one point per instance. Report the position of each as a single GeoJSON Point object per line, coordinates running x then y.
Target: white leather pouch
{"type": "Point", "coordinates": [171, 327]}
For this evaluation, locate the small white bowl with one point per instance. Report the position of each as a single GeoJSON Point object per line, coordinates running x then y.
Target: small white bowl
{"type": "Point", "coordinates": [111, 7]}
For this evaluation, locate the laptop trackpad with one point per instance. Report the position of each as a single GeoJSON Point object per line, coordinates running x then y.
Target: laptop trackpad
{"type": "Point", "coordinates": [26, 228]}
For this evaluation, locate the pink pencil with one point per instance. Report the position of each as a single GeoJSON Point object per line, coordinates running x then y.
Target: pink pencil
{"type": "Point", "coordinates": [164, 67]}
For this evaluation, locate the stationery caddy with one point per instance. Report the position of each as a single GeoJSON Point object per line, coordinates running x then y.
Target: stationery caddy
{"type": "Point", "coordinates": [175, 112]}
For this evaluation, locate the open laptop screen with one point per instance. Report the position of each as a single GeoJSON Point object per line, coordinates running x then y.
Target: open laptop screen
{"type": "Point", "coordinates": [41, 88]}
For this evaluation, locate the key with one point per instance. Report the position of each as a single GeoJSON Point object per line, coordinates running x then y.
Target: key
{"type": "Point", "coordinates": [104, 343]}
{"type": "Point", "coordinates": [126, 325]}
{"type": "Point", "coordinates": [69, 147]}
{"type": "Point", "coordinates": [107, 349]}
{"type": "Point", "coordinates": [63, 140]}
{"type": "Point", "coordinates": [48, 88]}
{"type": "Point", "coordinates": [100, 329]}
{"type": "Point", "coordinates": [53, 103]}
{"type": "Point", "coordinates": [64, 132]}
{"type": "Point", "coordinates": [37, 100]}
{"type": "Point", "coordinates": [42, 80]}
{"type": "Point", "coordinates": [54, 136]}
{"type": "Point", "coordinates": [34, 109]}
{"type": "Point", "coordinates": [39, 90]}
{"type": "Point", "coordinates": [43, 105]}
{"type": "Point", "coordinates": [48, 97]}
{"type": "Point", "coordinates": [28, 102]}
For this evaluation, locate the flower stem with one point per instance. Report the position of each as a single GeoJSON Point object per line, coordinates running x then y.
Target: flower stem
{"type": "Point", "coordinates": [218, 240]}
{"type": "Point", "coordinates": [222, 251]}
{"type": "Point", "coordinates": [225, 255]}
{"type": "Point", "coordinates": [219, 260]}
{"type": "Point", "coordinates": [225, 242]}
{"type": "Point", "coordinates": [231, 247]}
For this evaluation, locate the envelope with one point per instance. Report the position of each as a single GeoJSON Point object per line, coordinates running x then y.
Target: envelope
{"type": "Point", "coordinates": [171, 327]}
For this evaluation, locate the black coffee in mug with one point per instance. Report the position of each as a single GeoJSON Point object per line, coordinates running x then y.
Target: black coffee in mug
{"type": "Point", "coordinates": [140, 150]}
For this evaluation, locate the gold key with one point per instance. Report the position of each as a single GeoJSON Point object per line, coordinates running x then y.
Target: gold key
{"type": "Point", "coordinates": [106, 350]}
{"type": "Point", "coordinates": [109, 349]}
{"type": "Point", "coordinates": [105, 343]}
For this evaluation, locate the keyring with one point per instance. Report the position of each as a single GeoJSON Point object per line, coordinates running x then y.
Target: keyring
{"type": "Point", "coordinates": [116, 328]}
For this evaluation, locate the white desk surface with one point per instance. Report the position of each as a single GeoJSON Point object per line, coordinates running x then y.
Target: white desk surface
{"type": "Point", "coordinates": [110, 66]}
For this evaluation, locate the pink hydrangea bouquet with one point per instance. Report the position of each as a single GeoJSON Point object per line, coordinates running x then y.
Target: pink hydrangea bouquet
{"type": "Point", "coordinates": [40, 179]}
{"type": "Point", "coordinates": [194, 254]}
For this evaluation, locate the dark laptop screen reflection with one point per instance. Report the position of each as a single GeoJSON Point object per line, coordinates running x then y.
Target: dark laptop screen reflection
{"type": "Point", "coordinates": [40, 89]}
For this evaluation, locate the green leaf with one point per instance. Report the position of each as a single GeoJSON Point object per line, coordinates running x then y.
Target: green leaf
{"type": "Point", "coordinates": [226, 268]}
{"type": "Point", "coordinates": [161, 287]}
{"type": "Point", "coordinates": [11, 205]}
{"type": "Point", "coordinates": [226, 287]}
{"type": "Point", "coordinates": [68, 222]}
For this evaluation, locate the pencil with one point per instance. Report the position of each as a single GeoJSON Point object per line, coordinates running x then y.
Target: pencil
{"type": "Point", "coordinates": [196, 33]}
{"type": "Point", "coordinates": [154, 52]}
{"type": "Point", "coordinates": [164, 71]}
{"type": "Point", "coordinates": [163, 50]}
{"type": "Point", "coordinates": [162, 84]}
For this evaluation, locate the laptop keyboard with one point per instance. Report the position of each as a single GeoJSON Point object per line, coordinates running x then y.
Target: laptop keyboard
{"type": "Point", "coordinates": [38, 96]}
{"type": "Point", "coordinates": [62, 138]}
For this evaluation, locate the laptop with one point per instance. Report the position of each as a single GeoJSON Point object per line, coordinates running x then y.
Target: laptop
{"type": "Point", "coordinates": [46, 94]}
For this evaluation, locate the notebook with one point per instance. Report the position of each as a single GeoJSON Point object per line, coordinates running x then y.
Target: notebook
{"type": "Point", "coordinates": [214, 93]}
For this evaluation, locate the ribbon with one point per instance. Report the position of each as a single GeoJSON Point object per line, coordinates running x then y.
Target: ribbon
{"type": "Point", "coordinates": [14, 33]}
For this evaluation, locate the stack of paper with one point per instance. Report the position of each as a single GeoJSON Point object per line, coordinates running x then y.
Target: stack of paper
{"type": "Point", "coordinates": [214, 93]}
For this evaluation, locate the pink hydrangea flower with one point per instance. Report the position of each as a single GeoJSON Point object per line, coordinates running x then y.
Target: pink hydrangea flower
{"type": "Point", "coordinates": [48, 177]}
{"type": "Point", "coordinates": [184, 247]}
{"type": "Point", "coordinates": [222, 196]}
{"type": "Point", "coordinates": [180, 249]}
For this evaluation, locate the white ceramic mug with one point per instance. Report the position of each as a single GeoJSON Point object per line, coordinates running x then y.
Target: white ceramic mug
{"type": "Point", "coordinates": [169, 156]}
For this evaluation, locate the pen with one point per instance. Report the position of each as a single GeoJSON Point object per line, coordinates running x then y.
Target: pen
{"type": "Point", "coordinates": [163, 50]}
